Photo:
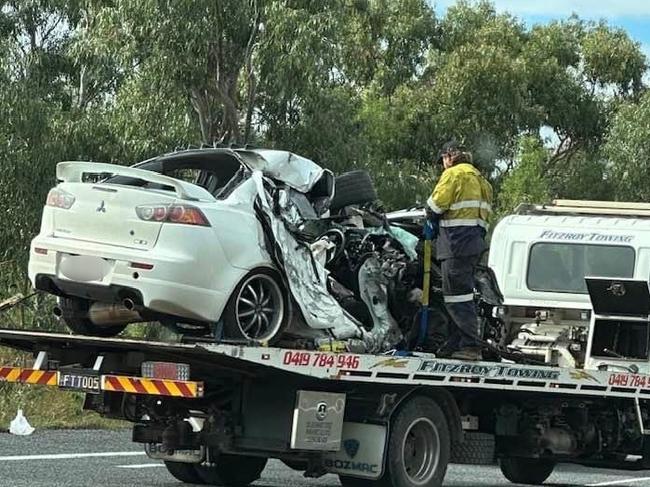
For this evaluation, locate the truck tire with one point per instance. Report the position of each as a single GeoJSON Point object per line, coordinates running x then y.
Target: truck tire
{"type": "Point", "coordinates": [353, 188]}
{"type": "Point", "coordinates": [418, 446]}
{"type": "Point", "coordinates": [476, 449]}
{"type": "Point", "coordinates": [71, 309]}
{"type": "Point", "coordinates": [531, 471]}
{"type": "Point", "coordinates": [231, 470]}
{"type": "Point", "coordinates": [185, 472]}
{"type": "Point", "coordinates": [258, 309]}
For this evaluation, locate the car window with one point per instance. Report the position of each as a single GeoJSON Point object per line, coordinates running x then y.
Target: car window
{"type": "Point", "coordinates": [562, 267]}
{"type": "Point", "coordinates": [219, 176]}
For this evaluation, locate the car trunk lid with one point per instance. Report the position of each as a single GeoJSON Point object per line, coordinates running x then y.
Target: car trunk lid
{"type": "Point", "coordinates": [106, 214]}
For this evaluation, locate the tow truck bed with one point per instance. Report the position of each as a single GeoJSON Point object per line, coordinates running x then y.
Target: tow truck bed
{"type": "Point", "coordinates": [360, 416]}
{"type": "Point", "coordinates": [421, 370]}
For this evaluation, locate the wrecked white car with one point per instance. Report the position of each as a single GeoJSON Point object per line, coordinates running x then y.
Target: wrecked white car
{"type": "Point", "coordinates": [236, 244]}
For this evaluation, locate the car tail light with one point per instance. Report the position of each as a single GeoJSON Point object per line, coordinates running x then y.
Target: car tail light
{"type": "Point", "coordinates": [185, 214]}
{"type": "Point", "coordinates": [40, 250]}
{"type": "Point", "coordinates": [60, 199]}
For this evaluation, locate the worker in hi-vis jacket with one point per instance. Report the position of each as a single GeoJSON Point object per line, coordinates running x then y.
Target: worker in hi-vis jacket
{"type": "Point", "coordinates": [458, 211]}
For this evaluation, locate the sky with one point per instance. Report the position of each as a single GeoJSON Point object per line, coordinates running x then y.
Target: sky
{"type": "Point", "coordinates": [631, 15]}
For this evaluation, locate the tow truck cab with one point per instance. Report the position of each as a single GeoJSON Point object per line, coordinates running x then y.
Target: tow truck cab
{"type": "Point", "coordinates": [541, 256]}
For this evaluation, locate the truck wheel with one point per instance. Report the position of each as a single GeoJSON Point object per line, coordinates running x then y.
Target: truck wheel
{"type": "Point", "coordinates": [418, 446]}
{"type": "Point", "coordinates": [532, 471]}
{"type": "Point", "coordinates": [72, 311]}
{"type": "Point", "coordinates": [476, 449]}
{"type": "Point", "coordinates": [258, 309]}
{"type": "Point", "coordinates": [231, 470]}
{"type": "Point", "coordinates": [353, 188]}
{"type": "Point", "coordinates": [185, 472]}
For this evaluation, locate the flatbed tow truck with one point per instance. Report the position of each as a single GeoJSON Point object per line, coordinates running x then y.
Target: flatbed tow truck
{"type": "Point", "coordinates": [214, 413]}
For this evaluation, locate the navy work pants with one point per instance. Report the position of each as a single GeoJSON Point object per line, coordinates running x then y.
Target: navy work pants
{"type": "Point", "coordinates": [458, 291]}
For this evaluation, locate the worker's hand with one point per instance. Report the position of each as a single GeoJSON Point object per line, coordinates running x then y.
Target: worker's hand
{"type": "Point", "coordinates": [431, 229]}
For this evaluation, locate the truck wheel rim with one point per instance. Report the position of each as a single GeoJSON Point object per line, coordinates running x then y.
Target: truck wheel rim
{"type": "Point", "coordinates": [260, 307]}
{"type": "Point", "coordinates": [421, 451]}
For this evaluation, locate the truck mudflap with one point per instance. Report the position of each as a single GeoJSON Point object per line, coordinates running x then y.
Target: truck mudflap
{"type": "Point", "coordinates": [88, 380]}
{"type": "Point", "coordinates": [362, 451]}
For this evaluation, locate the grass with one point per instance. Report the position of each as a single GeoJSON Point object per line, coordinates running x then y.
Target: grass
{"type": "Point", "coordinates": [45, 407]}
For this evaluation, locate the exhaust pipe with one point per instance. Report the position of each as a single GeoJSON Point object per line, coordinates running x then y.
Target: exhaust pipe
{"type": "Point", "coordinates": [129, 304]}
{"type": "Point", "coordinates": [113, 314]}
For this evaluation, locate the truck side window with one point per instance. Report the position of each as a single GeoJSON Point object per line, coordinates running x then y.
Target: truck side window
{"type": "Point", "coordinates": [562, 267]}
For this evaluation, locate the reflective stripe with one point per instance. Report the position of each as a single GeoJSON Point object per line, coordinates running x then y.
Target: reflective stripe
{"type": "Point", "coordinates": [471, 204]}
{"type": "Point", "coordinates": [435, 208]}
{"type": "Point", "coordinates": [464, 222]}
{"type": "Point", "coordinates": [459, 298]}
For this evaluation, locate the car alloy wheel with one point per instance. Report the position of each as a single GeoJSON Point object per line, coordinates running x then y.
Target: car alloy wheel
{"type": "Point", "coordinates": [259, 307]}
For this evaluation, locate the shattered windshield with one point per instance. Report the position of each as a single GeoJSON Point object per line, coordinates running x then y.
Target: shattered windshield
{"type": "Point", "coordinates": [562, 267]}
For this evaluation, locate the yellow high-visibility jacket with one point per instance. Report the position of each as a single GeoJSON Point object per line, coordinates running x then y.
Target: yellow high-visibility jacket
{"type": "Point", "coordinates": [462, 200]}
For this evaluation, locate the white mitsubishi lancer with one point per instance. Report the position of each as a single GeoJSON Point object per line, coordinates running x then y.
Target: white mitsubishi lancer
{"type": "Point", "coordinates": [175, 239]}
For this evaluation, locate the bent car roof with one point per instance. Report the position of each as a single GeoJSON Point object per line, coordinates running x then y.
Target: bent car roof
{"type": "Point", "coordinates": [296, 171]}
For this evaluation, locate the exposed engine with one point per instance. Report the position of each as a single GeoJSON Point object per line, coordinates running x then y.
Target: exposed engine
{"type": "Point", "coordinates": [552, 344]}
{"type": "Point", "coordinates": [365, 238]}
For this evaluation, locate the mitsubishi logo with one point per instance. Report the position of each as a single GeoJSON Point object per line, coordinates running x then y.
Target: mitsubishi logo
{"type": "Point", "coordinates": [102, 208]}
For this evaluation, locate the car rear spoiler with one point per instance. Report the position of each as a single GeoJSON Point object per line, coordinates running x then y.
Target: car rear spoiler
{"type": "Point", "coordinates": [73, 172]}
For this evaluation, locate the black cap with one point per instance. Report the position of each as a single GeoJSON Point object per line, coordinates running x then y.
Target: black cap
{"type": "Point", "coordinates": [448, 147]}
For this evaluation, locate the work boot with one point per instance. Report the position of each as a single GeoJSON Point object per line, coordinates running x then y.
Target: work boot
{"type": "Point", "coordinates": [469, 353]}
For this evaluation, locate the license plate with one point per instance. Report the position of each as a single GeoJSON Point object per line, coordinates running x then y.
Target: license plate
{"type": "Point", "coordinates": [84, 268]}
{"type": "Point", "coordinates": [80, 380]}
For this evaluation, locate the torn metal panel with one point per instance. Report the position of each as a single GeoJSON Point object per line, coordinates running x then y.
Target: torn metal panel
{"type": "Point", "coordinates": [307, 277]}
{"type": "Point", "coordinates": [373, 284]}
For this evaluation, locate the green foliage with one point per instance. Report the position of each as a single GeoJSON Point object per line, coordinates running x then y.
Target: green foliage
{"type": "Point", "coordinates": [526, 182]}
{"type": "Point", "coordinates": [628, 150]}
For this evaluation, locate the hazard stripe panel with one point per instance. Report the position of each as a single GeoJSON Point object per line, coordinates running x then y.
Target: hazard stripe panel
{"type": "Point", "coordinates": [114, 383]}
{"type": "Point", "coordinates": [158, 387]}
{"type": "Point", "coordinates": [28, 376]}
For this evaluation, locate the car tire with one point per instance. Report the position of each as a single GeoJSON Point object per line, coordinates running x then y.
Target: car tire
{"type": "Point", "coordinates": [258, 309]}
{"type": "Point", "coordinates": [419, 445]}
{"type": "Point", "coordinates": [185, 472]}
{"type": "Point", "coordinates": [353, 188]}
{"type": "Point", "coordinates": [231, 470]}
{"type": "Point", "coordinates": [531, 471]}
{"type": "Point", "coordinates": [72, 314]}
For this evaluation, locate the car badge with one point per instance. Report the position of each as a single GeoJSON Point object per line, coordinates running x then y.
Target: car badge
{"type": "Point", "coordinates": [351, 447]}
{"type": "Point", "coordinates": [102, 207]}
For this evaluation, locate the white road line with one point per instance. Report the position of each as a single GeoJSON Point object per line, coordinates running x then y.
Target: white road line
{"type": "Point", "coordinates": [67, 456]}
{"type": "Point", "coordinates": [616, 482]}
{"type": "Point", "coordinates": [141, 465]}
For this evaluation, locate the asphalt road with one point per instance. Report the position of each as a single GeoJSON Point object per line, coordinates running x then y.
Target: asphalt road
{"type": "Point", "coordinates": [108, 458]}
